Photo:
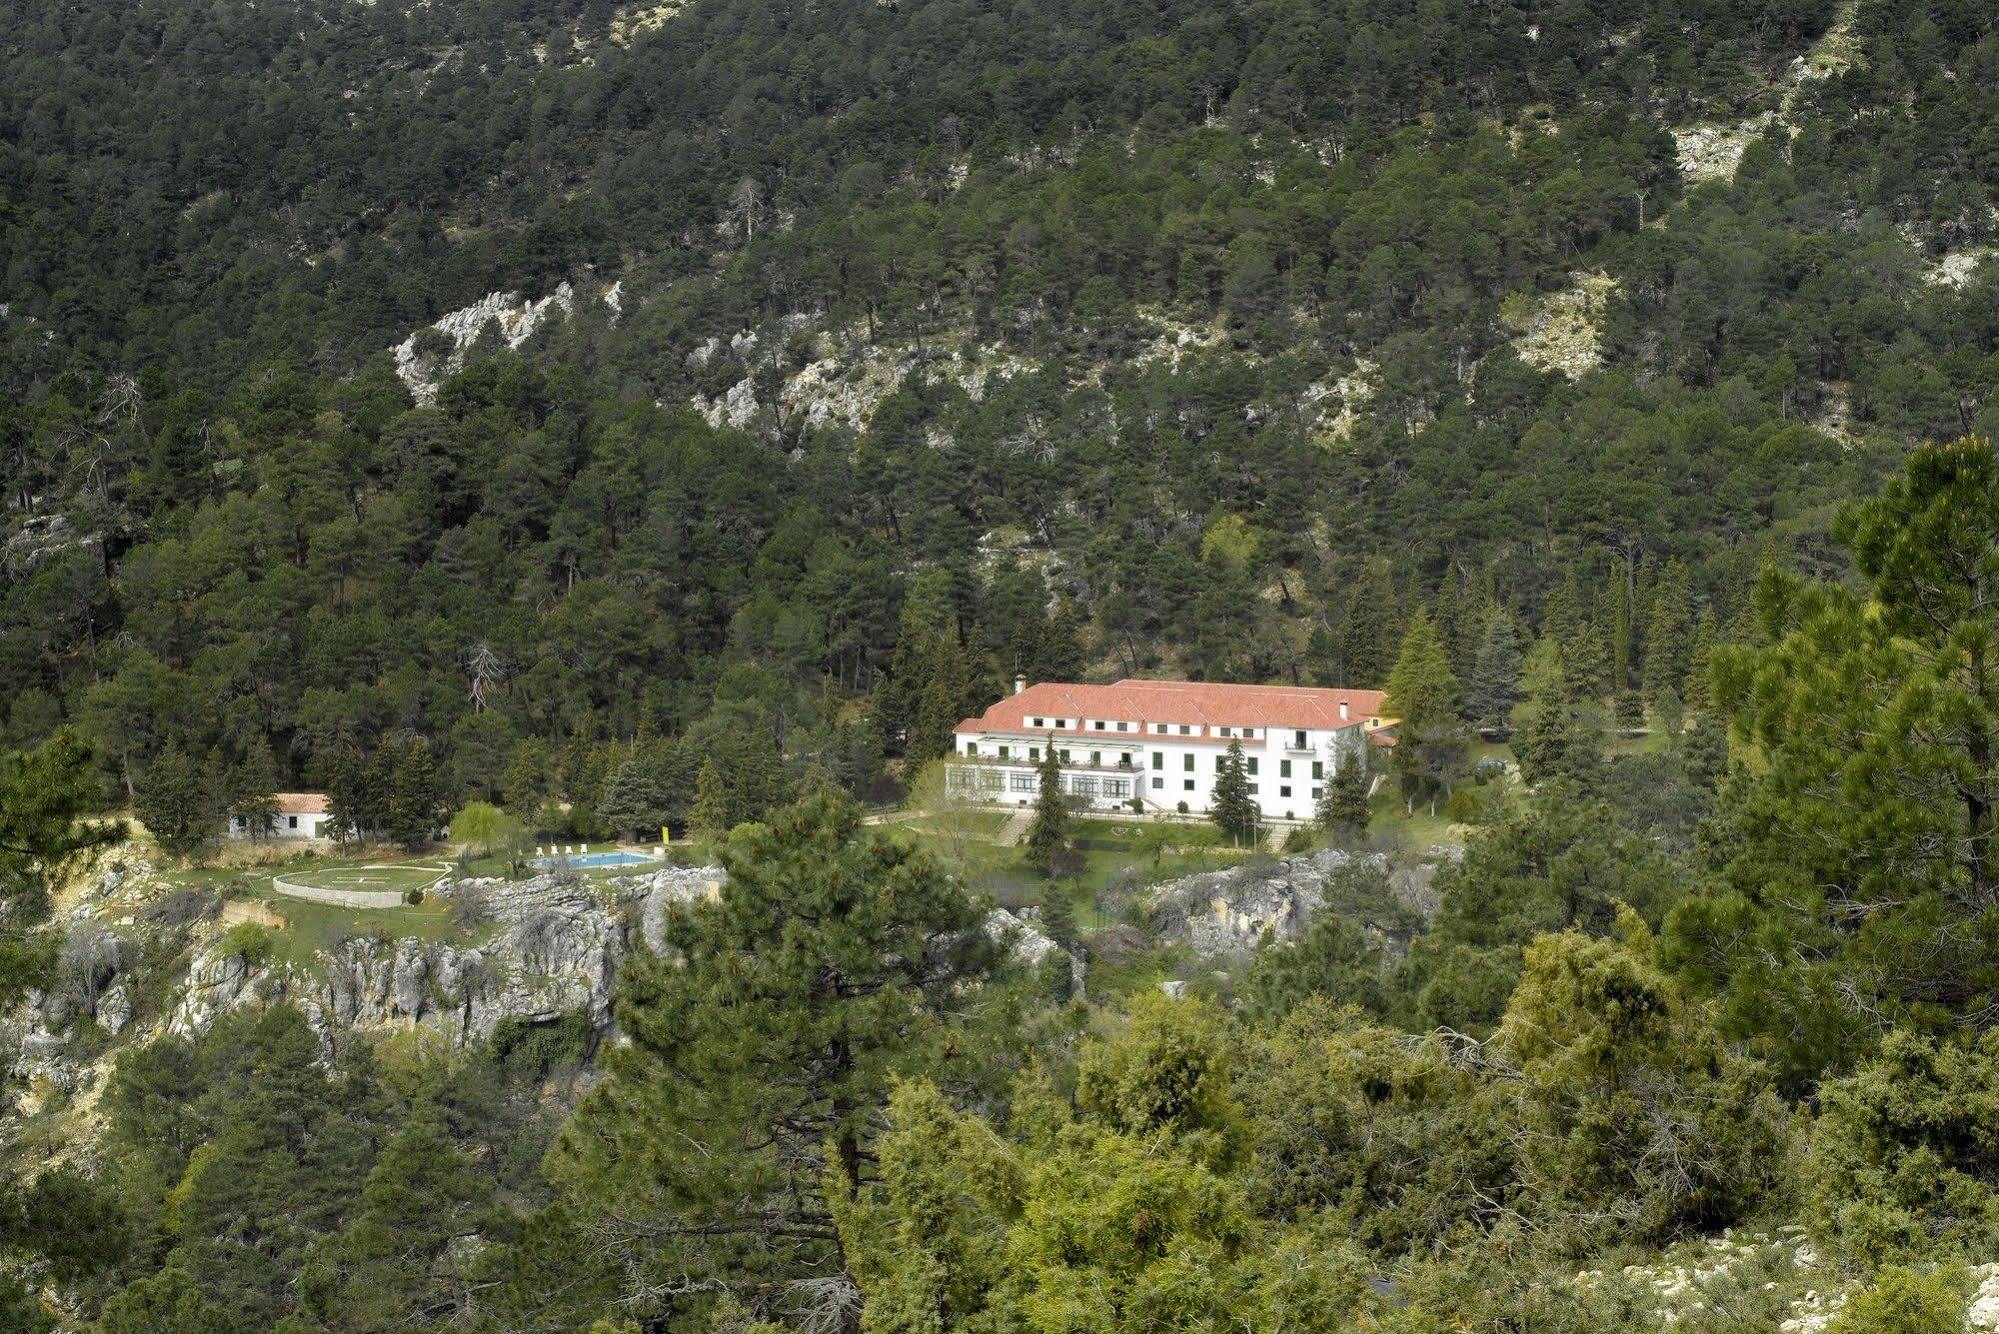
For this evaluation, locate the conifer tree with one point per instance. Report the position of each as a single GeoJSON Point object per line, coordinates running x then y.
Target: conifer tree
{"type": "Point", "coordinates": [1494, 686]}
{"type": "Point", "coordinates": [1667, 648]}
{"type": "Point", "coordinates": [1554, 740]}
{"type": "Point", "coordinates": [1343, 806]}
{"type": "Point", "coordinates": [1234, 809]}
{"type": "Point", "coordinates": [175, 802]}
{"type": "Point", "coordinates": [415, 803]}
{"type": "Point", "coordinates": [710, 815]}
{"type": "Point", "coordinates": [1430, 738]}
{"type": "Point", "coordinates": [1700, 665]}
{"type": "Point", "coordinates": [1048, 834]}
{"type": "Point", "coordinates": [766, 1033]}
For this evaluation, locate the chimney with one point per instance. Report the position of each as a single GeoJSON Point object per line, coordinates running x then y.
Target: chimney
{"type": "Point", "coordinates": [1019, 684]}
{"type": "Point", "coordinates": [1343, 711]}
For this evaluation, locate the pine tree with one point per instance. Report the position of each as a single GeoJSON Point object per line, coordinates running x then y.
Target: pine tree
{"type": "Point", "coordinates": [174, 800]}
{"type": "Point", "coordinates": [1554, 740]}
{"type": "Point", "coordinates": [1667, 649]}
{"type": "Point", "coordinates": [1234, 809]}
{"type": "Point", "coordinates": [415, 806]}
{"type": "Point", "coordinates": [710, 815]}
{"type": "Point", "coordinates": [768, 1030]}
{"type": "Point", "coordinates": [1700, 665]}
{"type": "Point", "coordinates": [1367, 634]}
{"type": "Point", "coordinates": [252, 788]}
{"type": "Point", "coordinates": [345, 800]}
{"type": "Point", "coordinates": [1343, 806]}
{"type": "Point", "coordinates": [1494, 687]}
{"type": "Point", "coordinates": [1430, 739]}
{"type": "Point", "coordinates": [633, 803]}
{"type": "Point", "coordinates": [1049, 832]}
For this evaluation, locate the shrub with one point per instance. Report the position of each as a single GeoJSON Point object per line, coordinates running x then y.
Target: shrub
{"type": "Point", "coordinates": [1903, 1301]}
{"type": "Point", "coordinates": [413, 898]}
{"type": "Point", "coordinates": [1904, 1156]}
{"type": "Point", "coordinates": [248, 940]}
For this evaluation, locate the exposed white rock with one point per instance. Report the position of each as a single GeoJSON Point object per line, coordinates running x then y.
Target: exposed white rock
{"type": "Point", "coordinates": [1228, 913]}
{"type": "Point", "coordinates": [517, 320]}
{"type": "Point", "coordinates": [1982, 1315]}
{"type": "Point", "coordinates": [1563, 331]}
{"type": "Point", "coordinates": [1711, 152]}
{"type": "Point", "coordinates": [632, 21]}
{"type": "Point", "coordinates": [1959, 267]}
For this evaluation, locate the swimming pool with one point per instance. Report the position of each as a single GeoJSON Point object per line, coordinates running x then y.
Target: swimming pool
{"type": "Point", "coordinates": [596, 859]}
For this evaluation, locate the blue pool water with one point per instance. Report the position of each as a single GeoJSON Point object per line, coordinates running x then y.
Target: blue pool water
{"type": "Point", "coordinates": [597, 859]}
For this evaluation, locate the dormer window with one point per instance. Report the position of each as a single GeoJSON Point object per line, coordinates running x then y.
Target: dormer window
{"type": "Point", "coordinates": [1036, 721]}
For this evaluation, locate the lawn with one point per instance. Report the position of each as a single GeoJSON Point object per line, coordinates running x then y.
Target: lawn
{"type": "Point", "coordinates": [312, 927]}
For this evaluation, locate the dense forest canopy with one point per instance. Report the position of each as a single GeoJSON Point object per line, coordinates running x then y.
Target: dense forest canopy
{"type": "Point", "coordinates": [603, 419]}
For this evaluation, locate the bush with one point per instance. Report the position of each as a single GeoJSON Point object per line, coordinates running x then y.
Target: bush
{"type": "Point", "coordinates": [413, 898]}
{"type": "Point", "coordinates": [250, 941]}
{"type": "Point", "coordinates": [1299, 840]}
{"type": "Point", "coordinates": [1903, 1301]}
{"type": "Point", "coordinates": [1904, 1155]}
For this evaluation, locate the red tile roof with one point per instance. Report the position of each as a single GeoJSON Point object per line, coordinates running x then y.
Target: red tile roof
{"type": "Point", "coordinates": [1199, 703]}
{"type": "Point", "coordinates": [300, 803]}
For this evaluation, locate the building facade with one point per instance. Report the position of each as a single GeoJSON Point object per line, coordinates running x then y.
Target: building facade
{"type": "Point", "coordinates": [1157, 746]}
{"type": "Point", "coordinates": [299, 815]}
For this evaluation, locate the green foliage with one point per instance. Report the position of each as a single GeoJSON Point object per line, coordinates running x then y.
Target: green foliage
{"type": "Point", "coordinates": [482, 826]}
{"type": "Point", "coordinates": [1048, 832]}
{"type": "Point", "coordinates": [1857, 850]}
{"type": "Point", "coordinates": [176, 803]}
{"type": "Point", "coordinates": [1904, 1155]}
{"type": "Point", "coordinates": [1430, 737]}
{"type": "Point", "coordinates": [1230, 805]}
{"type": "Point", "coordinates": [1904, 1301]}
{"type": "Point", "coordinates": [769, 1032]}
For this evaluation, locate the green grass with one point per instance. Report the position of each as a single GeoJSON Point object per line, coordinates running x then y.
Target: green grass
{"type": "Point", "coordinates": [371, 878]}
{"type": "Point", "coordinates": [312, 927]}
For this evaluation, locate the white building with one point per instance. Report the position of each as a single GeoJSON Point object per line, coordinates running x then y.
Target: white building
{"type": "Point", "coordinates": [1161, 743]}
{"type": "Point", "coordinates": [300, 815]}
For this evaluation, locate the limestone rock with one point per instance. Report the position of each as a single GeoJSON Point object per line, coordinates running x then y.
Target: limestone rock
{"type": "Point", "coordinates": [1226, 914]}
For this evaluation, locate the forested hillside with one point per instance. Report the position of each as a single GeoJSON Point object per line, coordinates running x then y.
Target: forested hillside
{"type": "Point", "coordinates": [683, 415]}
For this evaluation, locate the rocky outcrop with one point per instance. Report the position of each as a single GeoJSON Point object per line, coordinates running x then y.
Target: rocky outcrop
{"type": "Point", "coordinates": [555, 949]}
{"type": "Point", "coordinates": [1227, 914]}
{"type": "Point", "coordinates": [1027, 944]}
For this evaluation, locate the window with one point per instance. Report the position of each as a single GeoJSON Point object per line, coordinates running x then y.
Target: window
{"type": "Point", "coordinates": [1284, 791]}
{"type": "Point", "coordinates": [1220, 760]}
{"type": "Point", "coordinates": [1124, 727]}
{"type": "Point", "coordinates": [1022, 782]}
{"type": "Point", "coordinates": [1225, 731]}
{"type": "Point", "coordinates": [1034, 752]}
{"type": "Point", "coordinates": [1118, 788]}
{"type": "Point", "coordinates": [1002, 752]}
{"type": "Point", "coordinates": [1158, 783]}
{"type": "Point", "coordinates": [1037, 722]}
{"type": "Point", "coordinates": [1098, 725]}
{"type": "Point", "coordinates": [1248, 733]}
{"type": "Point", "coordinates": [1185, 730]}
{"type": "Point", "coordinates": [1188, 785]}
{"type": "Point", "coordinates": [1298, 741]}
{"type": "Point", "coordinates": [1318, 768]}
{"type": "Point", "coordinates": [1159, 759]}
{"type": "Point", "coordinates": [1187, 763]}
{"type": "Point", "coordinates": [1252, 789]}
{"type": "Point", "coordinates": [1252, 763]}
{"type": "Point", "coordinates": [1159, 729]}
{"type": "Point", "coordinates": [1096, 757]}
{"type": "Point", "coordinates": [1065, 756]}
{"type": "Point", "coordinates": [1318, 792]}
{"type": "Point", "coordinates": [291, 822]}
{"type": "Point", "coordinates": [1083, 787]}
{"type": "Point", "coordinates": [1284, 768]}
{"type": "Point", "coordinates": [971, 747]}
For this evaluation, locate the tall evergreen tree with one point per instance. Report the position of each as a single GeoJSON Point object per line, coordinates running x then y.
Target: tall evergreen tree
{"type": "Point", "coordinates": [710, 815]}
{"type": "Point", "coordinates": [764, 1038]}
{"type": "Point", "coordinates": [1233, 808]}
{"type": "Point", "coordinates": [1048, 833]}
{"type": "Point", "coordinates": [1343, 806]}
{"type": "Point", "coordinates": [1430, 738]}
{"type": "Point", "coordinates": [1494, 686]}
{"type": "Point", "coordinates": [415, 801]}
{"type": "Point", "coordinates": [176, 803]}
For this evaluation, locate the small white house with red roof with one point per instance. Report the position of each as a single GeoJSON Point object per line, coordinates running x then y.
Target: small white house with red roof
{"type": "Point", "coordinates": [299, 815]}
{"type": "Point", "coordinates": [1158, 745]}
